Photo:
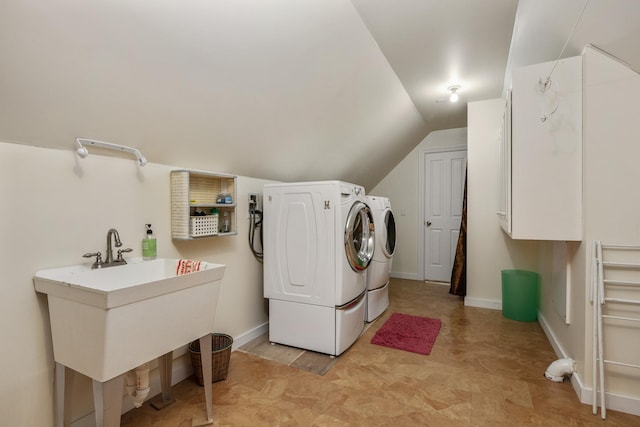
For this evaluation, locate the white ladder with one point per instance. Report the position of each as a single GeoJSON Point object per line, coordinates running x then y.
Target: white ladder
{"type": "Point", "coordinates": [621, 287]}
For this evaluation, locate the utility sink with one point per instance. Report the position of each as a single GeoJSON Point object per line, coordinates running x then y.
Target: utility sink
{"type": "Point", "coordinates": [116, 286]}
{"type": "Point", "coordinates": [105, 322]}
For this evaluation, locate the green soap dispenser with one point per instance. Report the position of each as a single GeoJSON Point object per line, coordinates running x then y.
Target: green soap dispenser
{"type": "Point", "coordinates": [149, 248]}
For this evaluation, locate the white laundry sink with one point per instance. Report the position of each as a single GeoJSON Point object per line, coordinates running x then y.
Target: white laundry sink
{"type": "Point", "coordinates": [107, 321]}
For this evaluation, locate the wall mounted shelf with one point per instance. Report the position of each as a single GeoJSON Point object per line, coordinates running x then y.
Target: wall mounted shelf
{"type": "Point", "coordinates": [196, 211]}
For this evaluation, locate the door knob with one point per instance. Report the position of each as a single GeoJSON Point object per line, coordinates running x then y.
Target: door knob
{"type": "Point", "coordinates": [428, 223]}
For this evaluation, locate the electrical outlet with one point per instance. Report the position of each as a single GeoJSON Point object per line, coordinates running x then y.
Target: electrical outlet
{"type": "Point", "coordinates": [253, 203]}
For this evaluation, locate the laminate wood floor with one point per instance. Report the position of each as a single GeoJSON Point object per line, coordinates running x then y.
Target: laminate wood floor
{"type": "Point", "coordinates": [310, 361]}
{"type": "Point", "coordinates": [484, 370]}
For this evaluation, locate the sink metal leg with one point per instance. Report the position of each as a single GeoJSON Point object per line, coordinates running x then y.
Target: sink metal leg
{"type": "Point", "coordinates": [64, 385]}
{"type": "Point", "coordinates": [205, 358]}
{"type": "Point", "coordinates": [165, 363]}
{"type": "Point", "coordinates": [107, 401]}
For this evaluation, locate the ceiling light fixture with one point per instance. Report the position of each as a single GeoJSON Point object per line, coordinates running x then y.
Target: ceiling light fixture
{"type": "Point", "coordinates": [454, 97]}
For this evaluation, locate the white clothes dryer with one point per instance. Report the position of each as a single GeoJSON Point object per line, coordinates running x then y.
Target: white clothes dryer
{"type": "Point", "coordinates": [318, 242]}
{"type": "Point", "coordinates": [380, 268]}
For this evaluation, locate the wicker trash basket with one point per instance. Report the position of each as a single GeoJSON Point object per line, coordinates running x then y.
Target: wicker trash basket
{"type": "Point", "coordinates": [220, 355]}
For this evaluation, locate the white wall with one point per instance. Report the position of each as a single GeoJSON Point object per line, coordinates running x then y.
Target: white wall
{"type": "Point", "coordinates": [247, 85]}
{"type": "Point", "coordinates": [610, 214]}
{"type": "Point", "coordinates": [489, 249]}
{"type": "Point", "coordinates": [402, 185]}
{"type": "Point", "coordinates": [56, 207]}
{"type": "Point", "coordinates": [611, 203]}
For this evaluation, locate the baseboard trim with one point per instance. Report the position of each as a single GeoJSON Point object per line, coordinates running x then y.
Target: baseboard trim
{"type": "Point", "coordinates": [483, 303]}
{"type": "Point", "coordinates": [553, 340]}
{"type": "Point", "coordinates": [241, 340]}
{"type": "Point", "coordinates": [615, 402]}
{"type": "Point", "coordinates": [400, 275]}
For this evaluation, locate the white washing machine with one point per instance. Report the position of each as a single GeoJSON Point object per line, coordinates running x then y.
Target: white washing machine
{"type": "Point", "coordinates": [318, 242]}
{"type": "Point", "coordinates": [380, 268]}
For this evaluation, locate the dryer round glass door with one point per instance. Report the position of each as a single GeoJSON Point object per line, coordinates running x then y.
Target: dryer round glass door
{"type": "Point", "coordinates": [390, 225]}
{"type": "Point", "coordinates": [359, 240]}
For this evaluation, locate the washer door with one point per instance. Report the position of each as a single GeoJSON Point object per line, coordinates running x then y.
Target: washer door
{"type": "Point", "coordinates": [359, 240]}
{"type": "Point", "coordinates": [390, 225]}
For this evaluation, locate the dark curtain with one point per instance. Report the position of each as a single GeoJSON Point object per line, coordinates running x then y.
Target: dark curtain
{"type": "Point", "coordinates": [459, 272]}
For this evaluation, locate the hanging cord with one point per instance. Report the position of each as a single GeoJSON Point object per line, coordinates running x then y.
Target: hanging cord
{"type": "Point", "coordinates": [547, 83]}
{"type": "Point", "coordinates": [255, 221]}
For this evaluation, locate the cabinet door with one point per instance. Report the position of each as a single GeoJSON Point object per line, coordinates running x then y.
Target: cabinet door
{"type": "Point", "coordinates": [546, 151]}
{"type": "Point", "coordinates": [504, 196]}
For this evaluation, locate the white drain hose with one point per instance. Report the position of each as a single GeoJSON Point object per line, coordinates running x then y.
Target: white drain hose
{"type": "Point", "coordinates": [138, 384]}
{"type": "Point", "coordinates": [559, 369]}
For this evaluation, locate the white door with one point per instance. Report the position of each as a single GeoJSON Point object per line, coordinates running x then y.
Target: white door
{"type": "Point", "coordinates": [444, 190]}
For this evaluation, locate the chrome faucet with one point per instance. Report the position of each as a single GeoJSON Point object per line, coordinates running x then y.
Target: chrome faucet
{"type": "Point", "coordinates": [112, 232]}
{"type": "Point", "coordinates": [109, 261]}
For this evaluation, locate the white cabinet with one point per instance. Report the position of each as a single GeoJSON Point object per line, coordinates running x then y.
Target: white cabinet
{"type": "Point", "coordinates": [203, 204]}
{"type": "Point", "coordinates": [504, 195]}
{"type": "Point", "coordinates": [541, 188]}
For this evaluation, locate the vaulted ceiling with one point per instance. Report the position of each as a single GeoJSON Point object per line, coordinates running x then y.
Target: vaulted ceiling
{"type": "Point", "coordinates": [280, 89]}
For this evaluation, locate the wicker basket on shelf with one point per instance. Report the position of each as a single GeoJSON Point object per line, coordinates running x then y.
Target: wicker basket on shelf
{"type": "Point", "coordinates": [220, 355]}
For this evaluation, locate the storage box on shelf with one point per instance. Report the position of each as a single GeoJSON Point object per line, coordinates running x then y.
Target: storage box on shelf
{"type": "Point", "coordinates": [203, 204]}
